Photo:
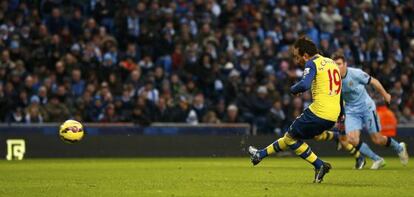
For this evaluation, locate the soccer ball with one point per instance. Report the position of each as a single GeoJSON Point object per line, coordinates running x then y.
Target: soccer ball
{"type": "Point", "coordinates": [71, 131]}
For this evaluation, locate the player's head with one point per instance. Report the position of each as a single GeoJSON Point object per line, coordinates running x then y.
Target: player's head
{"type": "Point", "coordinates": [303, 50]}
{"type": "Point", "coordinates": [339, 59]}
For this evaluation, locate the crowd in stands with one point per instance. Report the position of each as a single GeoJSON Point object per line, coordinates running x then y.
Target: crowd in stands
{"type": "Point", "coordinates": [198, 61]}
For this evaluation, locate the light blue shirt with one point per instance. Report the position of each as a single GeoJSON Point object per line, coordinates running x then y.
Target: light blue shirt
{"type": "Point", "coordinates": [354, 94]}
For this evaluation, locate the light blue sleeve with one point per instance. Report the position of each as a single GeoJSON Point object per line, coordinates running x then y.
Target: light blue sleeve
{"type": "Point", "coordinates": [362, 77]}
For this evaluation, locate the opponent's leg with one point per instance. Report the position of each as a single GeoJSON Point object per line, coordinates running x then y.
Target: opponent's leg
{"type": "Point", "coordinates": [353, 125]}
{"type": "Point", "coordinates": [374, 128]}
{"type": "Point", "coordinates": [400, 148]}
{"type": "Point", "coordinates": [353, 138]}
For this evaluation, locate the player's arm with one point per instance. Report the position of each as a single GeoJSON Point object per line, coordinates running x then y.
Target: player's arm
{"type": "Point", "coordinates": [379, 88]}
{"type": "Point", "coordinates": [365, 79]}
{"type": "Point", "coordinates": [305, 83]}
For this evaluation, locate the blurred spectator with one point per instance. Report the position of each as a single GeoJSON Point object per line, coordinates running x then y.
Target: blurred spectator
{"type": "Point", "coordinates": [232, 115]}
{"type": "Point", "coordinates": [110, 115]}
{"type": "Point", "coordinates": [220, 109]}
{"type": "Point", "coordinates": [39, 107]}
{"type": "Point", "coordinates": [260, 107]}
{"type": "Point", "coordinates": [56, 111]}
{"type": "Point", "coordinates": [232, 86]}
{"type": "Point", "coordinates": [43, 95]}
{"type": "Point", "coordinates": [328, 18]}
{"type": "Point", "coordinates": [406, 116]}
{"type": "Point", "coordinates": [181, 112]}
{"type": "Point", "coordinates": [149, 91]}
{"type": "Point", "coordinates": [78, 85]}
{"type": "Point", "coordinates": [193, 119]}
{"type": "Point", "coordinates": [138, 117]}
{"type": "Point", "coordinates": [17, 116]}
{"type": "Point", "coordinates": [146, 64]}
{"type": "Point", "coordinates": [23, 100]}
{"type": "Point", "coordinates": [135, 79]}
{"type": "Point", "coordinates": [33, 115]}
{"type": "Point", "coordinates": [4, 103]}
{"type": "Point", "coordinates": [211, 118]}
{"type": "Point", "coordinates": [199, 106]}
{"type": "Point", "coordinates": [277, 118]}
{"type": "Point", "coordinates": [162, 111]}
{"type": "Point", "coordinates": [55, 22]}
{"type": "Point", "coordinates": [75, 23]}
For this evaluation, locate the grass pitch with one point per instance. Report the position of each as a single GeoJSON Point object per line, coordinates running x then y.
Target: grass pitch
{"type": "Point", "coordinates": [199, 177]}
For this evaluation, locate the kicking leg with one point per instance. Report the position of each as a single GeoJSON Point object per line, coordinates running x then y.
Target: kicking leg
{"type": "Point", "coordinates": [306, 126]}
{"type": "Point", "coordinates": [299, 147]}
{"type": "Point", "coordinates": [257, 155]}
{"type": "Point", "coordinates": [303, 150]}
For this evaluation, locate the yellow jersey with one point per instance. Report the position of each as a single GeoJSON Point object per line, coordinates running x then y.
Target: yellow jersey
{"type": "Point", "coordinates": [326, 89]}
{"type": "Point", "coordinates": [322, 75]}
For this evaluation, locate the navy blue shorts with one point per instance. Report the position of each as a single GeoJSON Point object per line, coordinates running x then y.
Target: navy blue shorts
{"type": "Point", "coordinates": [308, 125]}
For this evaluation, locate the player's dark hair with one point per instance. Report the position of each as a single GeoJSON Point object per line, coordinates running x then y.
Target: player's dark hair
{"type": "Point", "coordinates": [338, 55]}
{"type": "Point", "coordinates": [304, 45]}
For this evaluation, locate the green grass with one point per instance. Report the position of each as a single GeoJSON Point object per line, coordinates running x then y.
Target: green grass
{"type": "Point", "coordinates": [198, 177]}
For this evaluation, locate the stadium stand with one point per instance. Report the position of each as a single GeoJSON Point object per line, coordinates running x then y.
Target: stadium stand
{"type": "Point", "coordinates": [190, 61]}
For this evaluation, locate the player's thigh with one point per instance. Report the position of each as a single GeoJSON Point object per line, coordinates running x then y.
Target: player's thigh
{"type": "Point", "coordinates": [353, 122]}
{"type": "Point", "coordinates": [372, 122]}
{"type": "Point", "coordinates": [308, 125]}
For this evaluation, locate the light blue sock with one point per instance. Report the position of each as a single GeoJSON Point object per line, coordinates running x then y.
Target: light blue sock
{"type": "Point", "coordinates": [365, 150]}
{"type": "Point", "coordinates": [394, 145]}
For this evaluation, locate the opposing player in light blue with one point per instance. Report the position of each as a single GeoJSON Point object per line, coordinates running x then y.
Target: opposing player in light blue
{"type": "Point", "coordinates": [360, 112]}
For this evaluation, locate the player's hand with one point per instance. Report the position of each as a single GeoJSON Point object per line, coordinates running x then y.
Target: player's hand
{"type": "Point", "coordinates": [387, 98]}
